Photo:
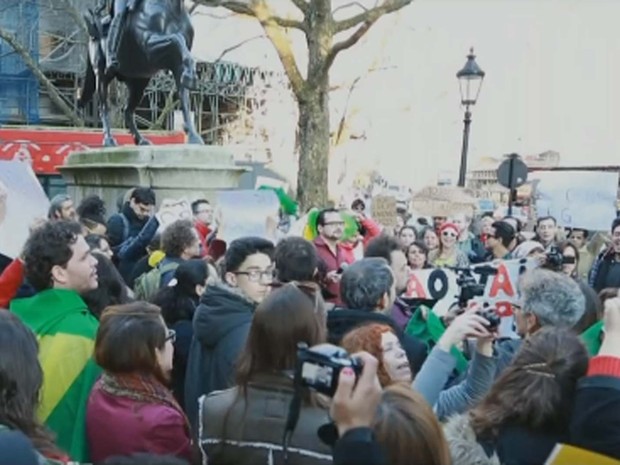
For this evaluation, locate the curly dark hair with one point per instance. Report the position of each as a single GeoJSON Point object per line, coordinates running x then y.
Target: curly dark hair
{"type": "Point", "coordinates": [177, 237]}
{"type": "Point", "coordinates": [47, 247]}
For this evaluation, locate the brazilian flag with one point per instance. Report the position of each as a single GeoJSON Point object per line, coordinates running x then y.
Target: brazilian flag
{"type": "Point", "coordinates": [66, 332]}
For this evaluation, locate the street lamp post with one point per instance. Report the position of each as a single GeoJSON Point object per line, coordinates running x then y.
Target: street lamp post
{"type": "Point", "coordinates": [470, 82]}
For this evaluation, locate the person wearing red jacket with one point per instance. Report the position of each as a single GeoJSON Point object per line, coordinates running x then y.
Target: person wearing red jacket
{"type": "Point", "coordinates": [203, 219]}
{"type": "Point", "coordinates": [11, 280]}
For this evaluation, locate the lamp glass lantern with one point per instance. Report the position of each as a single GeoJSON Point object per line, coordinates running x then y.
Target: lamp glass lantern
{"type": "Point", "coordinates": [470, 80]}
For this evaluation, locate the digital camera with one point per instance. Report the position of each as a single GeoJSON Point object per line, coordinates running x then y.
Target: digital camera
{"type": "Point", "coordinates": [492, 317]}
{"type": "Point", "coordinates": [319, 367]}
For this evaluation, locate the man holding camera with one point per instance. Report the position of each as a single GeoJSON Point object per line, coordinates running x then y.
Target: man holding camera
{"type": "Point", "coordinates": [547, 299]}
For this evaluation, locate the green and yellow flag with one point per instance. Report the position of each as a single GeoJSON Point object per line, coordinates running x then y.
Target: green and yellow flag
{"type": "Point", "coordinates": [66, 332]}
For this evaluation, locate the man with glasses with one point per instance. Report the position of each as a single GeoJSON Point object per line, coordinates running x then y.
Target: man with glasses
{"type": "Point", "coordinates": [223, 318]}
{"type": "Point", "coordinates": [330, 226]}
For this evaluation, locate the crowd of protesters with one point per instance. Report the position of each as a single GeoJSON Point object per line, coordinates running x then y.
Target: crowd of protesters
{"type": "Point", "coordinates": [127, 341]}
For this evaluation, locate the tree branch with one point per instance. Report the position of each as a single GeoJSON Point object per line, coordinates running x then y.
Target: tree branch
{"type": "Point", "coordinates": [302, 5]}
{"type": "Point", "coordinates": [236, 46]}
{"type": "Point", "coordinates": [33, 66]}
{"type": "Point", "coordinates": [349, 5]}
{"type": "Point", "coordinates": [348, 43]}
{"type": "Point", "coordinates": [372, 15]}
{"type": "Point", "coordinates": [250, 9]}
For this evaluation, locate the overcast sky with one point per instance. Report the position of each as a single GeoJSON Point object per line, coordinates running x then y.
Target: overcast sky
{"type": "Point", "coordinates": [552, 83]}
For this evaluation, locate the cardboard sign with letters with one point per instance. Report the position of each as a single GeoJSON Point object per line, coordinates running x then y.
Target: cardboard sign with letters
{"type": "Point", "coordinates": [383, 210]}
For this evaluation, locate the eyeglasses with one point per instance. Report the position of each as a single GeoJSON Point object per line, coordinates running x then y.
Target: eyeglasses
{"type": "Point", "coordinates": [257, 275]}
{"type": "Point", "coordinates": [448, 234]}
{"type": "Point", "coordinates": [171, 335]}
{"type": "Point", "coordinates": [334, 223]}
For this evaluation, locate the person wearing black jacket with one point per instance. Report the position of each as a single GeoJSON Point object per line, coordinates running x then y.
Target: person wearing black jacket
{"type": "Point", "coordinates": [223, 318]}
{"type": "Point", "coordinates": [353, 411]}
{"type": "Point", "coordinates": [595, 423]}
{"type": "Point", "coordinates": [367, 289]}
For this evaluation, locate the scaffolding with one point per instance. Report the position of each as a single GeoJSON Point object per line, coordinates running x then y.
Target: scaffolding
{"type": "Point", "coordinates": [19, 88]}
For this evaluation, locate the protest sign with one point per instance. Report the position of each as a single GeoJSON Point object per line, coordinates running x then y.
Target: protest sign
{"type": "Point", "coordinates": [570, 455]}
{"type": "Point", "coordinates": [577, 199]}
{"type": "Point", "coordinates": [172, 210]}
{"type": "Point", "coordinates": [499, 280]}
{"type": "Point", "coordinates": [383, 210]}
{"type": "Point", "coordinates": [243, 213]}
{"type": "Point", "coordinates": [22, 201]}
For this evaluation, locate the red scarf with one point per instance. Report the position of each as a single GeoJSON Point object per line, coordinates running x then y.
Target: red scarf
{"type": "Point", "coordinates": [143, 388]}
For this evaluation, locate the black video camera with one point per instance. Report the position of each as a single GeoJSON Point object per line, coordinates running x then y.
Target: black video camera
{"type": "Point", "coordinates": [555, 259]}
{"type": "Point", "coordinates": [319, 367]}
{"type": "Point", "coordinates": [470, 288]}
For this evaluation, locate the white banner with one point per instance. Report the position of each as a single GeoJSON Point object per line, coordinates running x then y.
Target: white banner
{"type": "Point", "coordinates": [577, 199]}
{"type": "Point", "coordinates": [22, 201]}
{"type": "Point", "coordinates": [243, 213]}
{"type": "Point", "coordinates": [500, 280]}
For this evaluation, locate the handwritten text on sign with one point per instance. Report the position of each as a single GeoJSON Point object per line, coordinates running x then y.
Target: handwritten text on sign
{"type": "Point", "coordinates": [579, 199]}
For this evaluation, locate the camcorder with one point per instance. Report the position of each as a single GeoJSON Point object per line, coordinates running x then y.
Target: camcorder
{"type": "Point", "coordinates": [554, 259]}
{"type": "Point", "coordinates": [470, 288]}
{"type": "Point", "coordinates": [319, 367]}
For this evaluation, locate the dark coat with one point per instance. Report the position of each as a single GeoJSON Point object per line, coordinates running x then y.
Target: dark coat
{"type": "Point", "coordinates": [341, 321]}
{"type": "Point", "coordinates": [221, 326]}
{"type": "Point", "coordinates": [255, 425]}
{"type": "Point", "coordinates": [358, 447]}
{"type": "Point", "coordinates": [595, 424]}
{"type": "Point", "coordinates": [116, 226]}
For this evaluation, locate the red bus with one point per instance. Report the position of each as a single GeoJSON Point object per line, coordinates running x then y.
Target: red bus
{"type": "Point", "coordinates": [46, 148]}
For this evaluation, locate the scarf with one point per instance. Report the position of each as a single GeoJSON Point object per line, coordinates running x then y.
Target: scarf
{"type": "Point", "coordinates": [142, 388]}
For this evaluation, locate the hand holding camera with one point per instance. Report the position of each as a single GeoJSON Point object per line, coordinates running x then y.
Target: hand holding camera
{"type": "Point", "coordinates": [468, 324]}
{"type": "Point", "coordinates": [355, 405]}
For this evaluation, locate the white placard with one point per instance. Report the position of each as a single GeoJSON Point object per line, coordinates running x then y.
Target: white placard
{"type": "Point", "coordinates": [577, 199]}
{"type": "Point", "coordinates": [243, 213]}
{"type": "Point", "coordinates": [22, 201]}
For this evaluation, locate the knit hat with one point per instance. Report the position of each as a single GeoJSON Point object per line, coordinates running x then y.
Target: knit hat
{"type": "Point", "coordinates": [526, 248]}
{"type": "Point", "coordinates": [451, 226]}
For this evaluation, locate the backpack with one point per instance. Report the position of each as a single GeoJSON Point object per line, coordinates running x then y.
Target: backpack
{"type": "Point", "coordinates": [147, 285]}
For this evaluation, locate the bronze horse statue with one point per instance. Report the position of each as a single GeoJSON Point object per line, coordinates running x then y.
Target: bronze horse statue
{"type": "Point", "coordinates": [157, 35]}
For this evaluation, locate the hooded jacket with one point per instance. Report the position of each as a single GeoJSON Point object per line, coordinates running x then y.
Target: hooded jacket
{"type": "Point", "coordinates": [341, 321]}
{"type": "Point", "coordinates": [221, 326]}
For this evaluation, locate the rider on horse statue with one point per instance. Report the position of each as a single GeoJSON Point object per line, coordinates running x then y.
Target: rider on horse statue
{"type": "Point", "coordinates": [115, 33]}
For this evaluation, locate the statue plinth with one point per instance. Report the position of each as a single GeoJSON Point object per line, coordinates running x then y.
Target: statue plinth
{"type": "Point", "coordinates": [172, 171]}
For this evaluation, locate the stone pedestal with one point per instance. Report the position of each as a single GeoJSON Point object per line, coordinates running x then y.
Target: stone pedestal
{"type": "Point", "coordinates": [172, 171]}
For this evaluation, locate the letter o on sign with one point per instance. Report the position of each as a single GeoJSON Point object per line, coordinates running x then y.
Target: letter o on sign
{"type": "Point", "coordinates": [438, 284]}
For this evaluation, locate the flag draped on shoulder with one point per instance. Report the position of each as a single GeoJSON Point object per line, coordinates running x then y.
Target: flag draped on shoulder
{"type": "Point", "coordinates": [66, 332]}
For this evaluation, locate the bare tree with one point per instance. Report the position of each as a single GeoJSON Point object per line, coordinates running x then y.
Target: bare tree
{"type": "Point", "coordinates": [316, 19]}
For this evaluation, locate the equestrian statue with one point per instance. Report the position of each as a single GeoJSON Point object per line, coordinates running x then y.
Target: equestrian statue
{"type": "Point", "coordinates": [131, 42]}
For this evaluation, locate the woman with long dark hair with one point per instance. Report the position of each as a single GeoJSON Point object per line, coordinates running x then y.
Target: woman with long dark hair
{"type": "Point", "coordinates": [21, 378]}
{"type": "Point", "coordinates": [245, 425]}
{"type": "Point", "coordinates": [178, 302]}
{"type": "Point", "coordinates": [527, 411]}
{"type": "Point", "coordinates": [417, 255]}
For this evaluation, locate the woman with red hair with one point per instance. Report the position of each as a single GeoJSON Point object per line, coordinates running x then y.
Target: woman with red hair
{"type": "Point", "coordinates": [381, 342]}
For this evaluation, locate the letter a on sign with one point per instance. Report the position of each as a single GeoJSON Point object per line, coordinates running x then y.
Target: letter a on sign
{"type": "Point", "coordinates": [415, 289]}
{"type": "Point", "coordinates": [502, 282]}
